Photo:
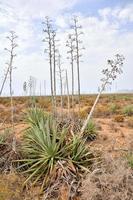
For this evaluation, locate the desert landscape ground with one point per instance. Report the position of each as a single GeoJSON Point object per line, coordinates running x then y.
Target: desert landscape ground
{"type": "Point", "coordinates": [110, 138]}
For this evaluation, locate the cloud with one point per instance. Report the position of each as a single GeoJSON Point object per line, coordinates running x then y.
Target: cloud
{"type": "Point", "coordinates": [24, 9]}
{"type": "Point", "coordinates": [25, 17]}
{"type": "Point", "coordinates": [104, 35]}
{"type": "Point", "coordinates": [118, 13]}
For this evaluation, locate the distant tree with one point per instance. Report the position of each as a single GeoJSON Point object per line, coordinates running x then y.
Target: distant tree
{"type": "Point", "coordinates": [110, 74]}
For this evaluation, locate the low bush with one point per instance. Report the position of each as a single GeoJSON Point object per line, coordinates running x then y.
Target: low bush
{"type": "Point", "coordinates": [113, 108]}
{"type": "Point", "coordinates": [128, 110]}
{"type": "Point", "coordinates": [91, 130]}
{"type": "Point", "coordinates": [119, 118]}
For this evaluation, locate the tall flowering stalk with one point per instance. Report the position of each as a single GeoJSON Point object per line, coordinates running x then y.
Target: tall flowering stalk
{"type": "Point", "coordinates": [110, 74]}
{"type": "Point", "coordinates": [12, 40]}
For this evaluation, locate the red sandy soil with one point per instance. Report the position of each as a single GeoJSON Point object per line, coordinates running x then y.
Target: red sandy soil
{"type": "Point", "coordinates": [113, 137]}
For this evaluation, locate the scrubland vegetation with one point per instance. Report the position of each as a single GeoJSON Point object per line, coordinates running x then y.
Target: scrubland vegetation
{"type": "Point", "coordinates": [52, 161]}
{"type": "Point", "coordinates": [66, 146]}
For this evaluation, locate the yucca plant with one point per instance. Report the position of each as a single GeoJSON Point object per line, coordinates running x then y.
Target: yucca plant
{"type": "Point", "coordinates": [46, 148]}
{"type": "Point", "coordinates": [91, 130]}
{"type": "Point", "coordinates": [42, 149]}
{"type": "Point", "coordinates": [80, 154]}
{"type": "Point", "coordinates": [35, 115]}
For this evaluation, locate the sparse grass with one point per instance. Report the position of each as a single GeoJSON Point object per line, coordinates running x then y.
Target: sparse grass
{"type": "Point", "coordinates": [10, 187]}
{"type": "Point", "coordinates": [84, 112]}
{"type": "Point", "coordinates": [112, 181]}
{"type": "Point", "coordinates": [102, 111]}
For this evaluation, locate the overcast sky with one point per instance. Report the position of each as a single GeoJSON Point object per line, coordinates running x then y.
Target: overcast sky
{"type": "Point", "coordinates": [107, 27]}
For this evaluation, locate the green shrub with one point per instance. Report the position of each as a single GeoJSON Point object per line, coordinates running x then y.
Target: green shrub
{"type": "Point", "coordinates": [44, 146]}
{"type": "Point", "coordinates": [113, 108]}
{"type": "Point", "coordinates": [42, 149]}
{"type": "Point", "coordinates": [91, 130]}
{"type": "Point", "coordinates": [128, 110]}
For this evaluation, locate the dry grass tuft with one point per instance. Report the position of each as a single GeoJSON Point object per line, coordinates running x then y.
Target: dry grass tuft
{"type": "Point", "coordinates": [119, 118]}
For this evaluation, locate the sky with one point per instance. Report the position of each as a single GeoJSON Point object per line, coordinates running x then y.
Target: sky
{"type": "Point", "coordinates": [107, 27]}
